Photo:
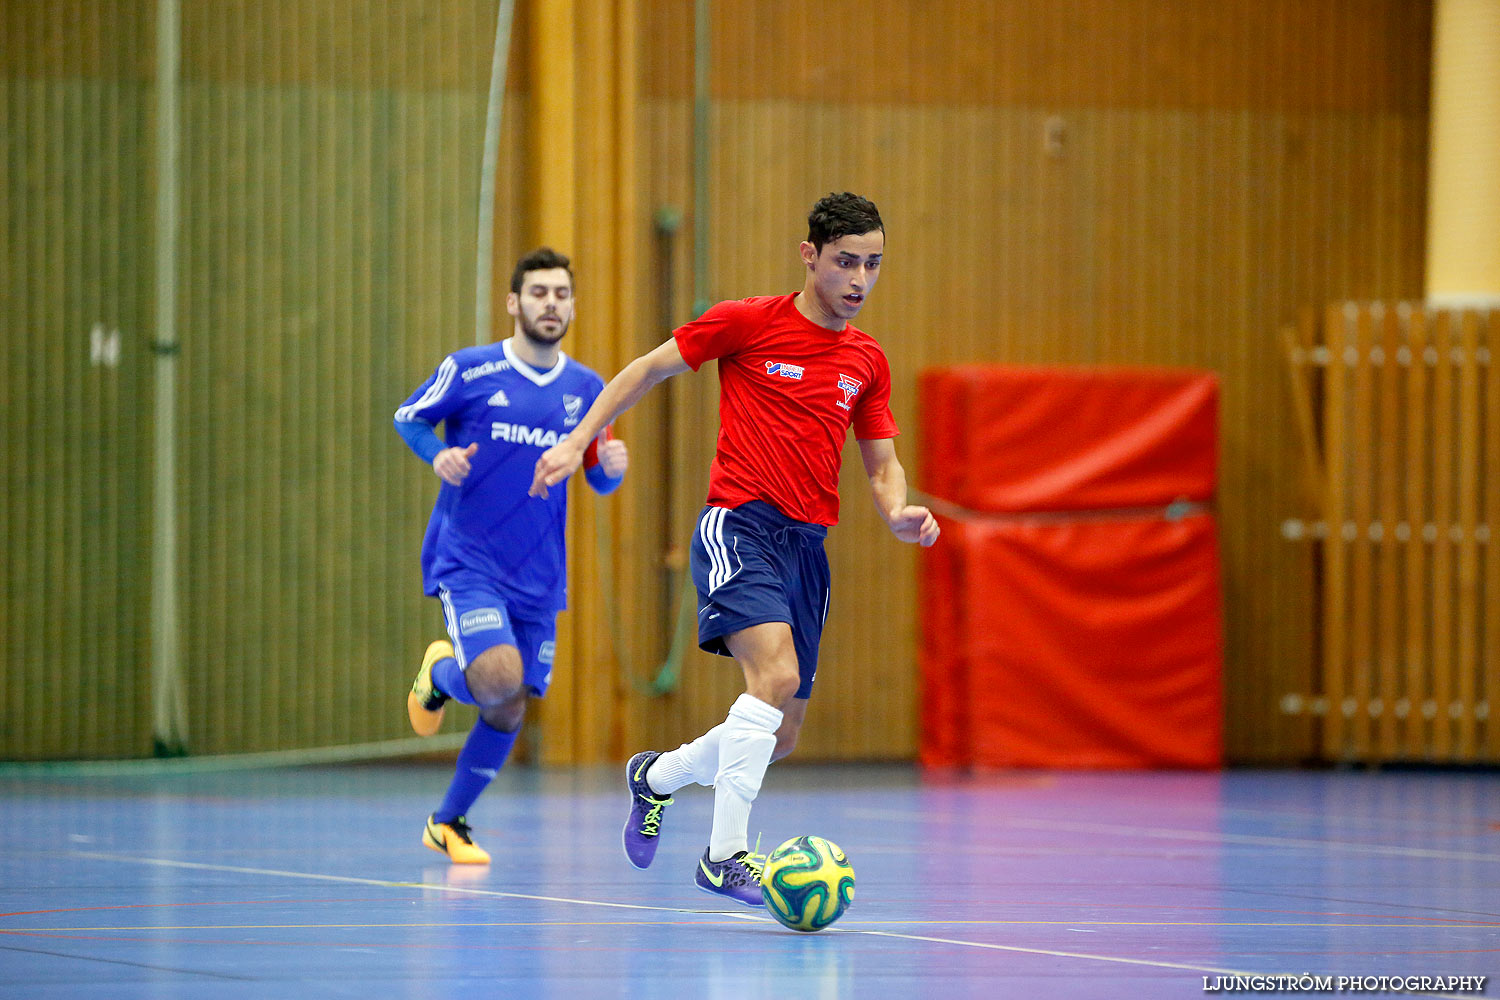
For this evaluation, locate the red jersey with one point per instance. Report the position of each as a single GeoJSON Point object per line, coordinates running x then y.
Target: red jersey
{"type": "Point", "coordinates": [789, 390]}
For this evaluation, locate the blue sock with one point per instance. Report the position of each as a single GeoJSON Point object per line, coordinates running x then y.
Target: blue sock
{"type": "Point", "coordinates": [480, 760]}
{"type": "Point", "coordinates": [450, 680]}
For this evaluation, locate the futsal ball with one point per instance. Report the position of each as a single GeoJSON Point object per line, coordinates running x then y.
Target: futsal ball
{"type": "Point", "coordinates": [808, 883]}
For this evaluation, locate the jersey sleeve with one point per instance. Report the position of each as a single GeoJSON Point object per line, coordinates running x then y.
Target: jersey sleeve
{"type": "Point", "coordinates": [420, 438]}
{"type": "Point", "coordinates": [435, 398]}
{"type": "Point", "coordinates": [872, 410]}
{"type": "Point", "coordinates": [719, 332]}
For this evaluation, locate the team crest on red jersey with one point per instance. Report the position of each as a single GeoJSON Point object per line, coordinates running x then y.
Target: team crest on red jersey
{"type": "Point", "coordinates": [850, 387]}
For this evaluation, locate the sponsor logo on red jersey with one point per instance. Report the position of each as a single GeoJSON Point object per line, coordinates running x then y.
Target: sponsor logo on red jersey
{"type": "Point", "coordinates": [784, 370]}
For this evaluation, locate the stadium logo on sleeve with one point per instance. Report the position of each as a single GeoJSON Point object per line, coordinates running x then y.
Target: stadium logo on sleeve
{"type": "Point", "coordinates": [545, 653]}
{"type": "Point", "coordinates": [573, 407]}
{"type": "Point", "coordinates": [784, 370]}
{"type": "Point", "coordinates": [480, 620]}
{"type": "Point", "coordinates": [851, 387]}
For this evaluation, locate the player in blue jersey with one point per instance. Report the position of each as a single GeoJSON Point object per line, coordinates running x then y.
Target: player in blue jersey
{"type": "Point", "coordinates": [493, 555]}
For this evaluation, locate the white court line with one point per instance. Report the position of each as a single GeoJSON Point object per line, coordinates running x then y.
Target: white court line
{"type": "Point", "coordinates": [1201, 836]}
{"type": "Point", "coordinates": [1259, 841]}
{"type": "Point", "coordinates": [344, 753]}
{"type": "Point", "coordinates": [466, 890]}
{"type": "Point", "coordinates": [386, 883]}
{"type": "Point", "coordinates": [1103, 958]}
{"type": "Point", "coordinates": [1062, 954]}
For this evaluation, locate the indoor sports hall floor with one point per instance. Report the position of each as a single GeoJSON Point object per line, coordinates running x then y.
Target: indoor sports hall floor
{"type": "Point", "coordinates": [312, 882]}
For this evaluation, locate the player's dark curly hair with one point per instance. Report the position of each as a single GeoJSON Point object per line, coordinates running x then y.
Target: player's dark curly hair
{"type": "Point", "coordinates": [839, 215]}
{"type": "Point", "coordinates": [540, 259]}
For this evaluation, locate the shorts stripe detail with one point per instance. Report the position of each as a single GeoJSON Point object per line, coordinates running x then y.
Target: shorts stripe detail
{"type": "Point", "coordinates": [717, 537]}
{"type": "Point", "coordinates": [450, 617]}
{"type": "Point", "coordinates": [706, 538]}
{"type": "Point", "coordinates": [711, 530]}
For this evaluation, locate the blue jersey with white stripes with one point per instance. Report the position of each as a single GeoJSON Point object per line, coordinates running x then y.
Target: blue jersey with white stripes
{"type": "Point", "coordinates": [489, 524]}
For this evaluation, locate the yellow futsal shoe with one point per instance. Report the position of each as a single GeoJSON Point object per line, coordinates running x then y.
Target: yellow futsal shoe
{"type": "Point", "coordinates": [455, 840]}
{"type": "Point", "coordinates": [424, 704]}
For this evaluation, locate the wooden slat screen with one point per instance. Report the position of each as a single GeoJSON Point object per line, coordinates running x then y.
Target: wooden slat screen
{"type": "Point", "coordinates": [1410, 604]}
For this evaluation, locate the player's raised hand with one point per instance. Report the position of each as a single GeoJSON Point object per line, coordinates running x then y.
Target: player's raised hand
{"type": "Point", "coordinates": [614, 458]}
{"type": "Point", "coordinates": [915, 524]}
{"type": "Point", "coordinates": [556, 464]}
{"type": "Point", "coordinates": [452, 464]}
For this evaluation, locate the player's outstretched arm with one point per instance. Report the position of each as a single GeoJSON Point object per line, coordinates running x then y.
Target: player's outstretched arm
{"type": "Point", "coordinates": [623, 391]}
{"type": "Point", "coordinates": [907, 522]}
{"type": "Point", "coordinates": [610, 458]}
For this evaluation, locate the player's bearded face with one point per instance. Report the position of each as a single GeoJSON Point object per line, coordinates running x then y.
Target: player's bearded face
{"type": "Point", "coordinates": [544, 306]}
{"type": "Point", "coordinates": [845, 270]}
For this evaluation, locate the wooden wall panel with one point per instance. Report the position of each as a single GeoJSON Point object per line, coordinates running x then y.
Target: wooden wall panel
{"type": "Point", "coordinates": [670, 434]}
{"type": "Point", "coordinates": [1277, 56]}
{"type": "Point", "coordinates": [75, 384]}
{"type": "Point", "coordinates": [1215, 169]}
{"type": "Point", "coordinates": [594, 140]}
{"type": "Point", "coordinates": [1145, 243]}
{"type": "Point", "coordinates": [1197, 202]}
{"type": "Point", "coordinates": [439, 45]}
{"type": "Point", "coordinates": [327, 267]}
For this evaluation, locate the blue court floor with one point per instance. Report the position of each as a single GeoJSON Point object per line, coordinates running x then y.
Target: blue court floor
{"type": "Point", "coordinates": [312, 882]}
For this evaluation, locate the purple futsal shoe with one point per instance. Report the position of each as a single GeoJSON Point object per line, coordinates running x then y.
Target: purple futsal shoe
{"type": "Point", "coordinates": [736, 877]}
{"type": "Point", "coordinates": [643, 828]}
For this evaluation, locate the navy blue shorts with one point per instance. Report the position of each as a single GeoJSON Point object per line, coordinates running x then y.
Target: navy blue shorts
{"type": "Point", "coordinates": [753, 565]}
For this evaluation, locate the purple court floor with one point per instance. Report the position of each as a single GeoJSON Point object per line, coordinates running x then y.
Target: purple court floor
{"type": "Point", "coordinates": [312, 882]}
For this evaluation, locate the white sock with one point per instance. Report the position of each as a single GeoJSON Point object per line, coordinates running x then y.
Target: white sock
{"type": "Point", "coordinates": [745, 746]}
{"type": "Point", "coordinates": [697, 761]}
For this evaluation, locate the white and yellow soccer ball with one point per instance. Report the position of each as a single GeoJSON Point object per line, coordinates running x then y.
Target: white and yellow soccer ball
{"type": "Point", "coordinates": [808, 883]}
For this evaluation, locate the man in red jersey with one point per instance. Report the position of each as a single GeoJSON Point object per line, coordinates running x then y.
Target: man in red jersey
{"type": "Point", "coordinates": [794, 377]}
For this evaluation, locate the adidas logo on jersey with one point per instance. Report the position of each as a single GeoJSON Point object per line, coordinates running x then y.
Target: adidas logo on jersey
{"type": "Point", "coordinates": [499, 398]}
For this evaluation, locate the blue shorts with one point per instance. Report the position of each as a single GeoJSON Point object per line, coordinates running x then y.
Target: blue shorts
{"type": "Point", "coordinates": [753, 565]}
{"type": "Point", "coordinates": [477, 618]}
